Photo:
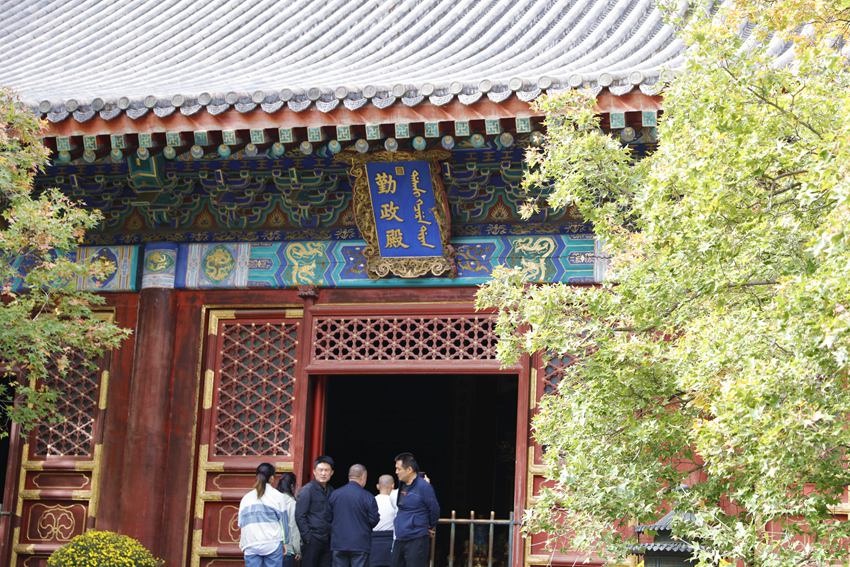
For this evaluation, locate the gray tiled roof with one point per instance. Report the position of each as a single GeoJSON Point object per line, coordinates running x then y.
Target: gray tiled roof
{"type": "Point", "coordinates": [666, 523]}
{"type": "Point", "coordinates": [670, 547]}
{"type": "Point", "coordinates": [89, 57]}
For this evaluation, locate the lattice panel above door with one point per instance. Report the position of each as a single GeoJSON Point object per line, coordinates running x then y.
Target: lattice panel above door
{"type": "Point", "coordinates": [76, 407]}
{"type": "Point", "coordinates": [445, 338]}
{"type": "Point", "coordinates": [255, 389]}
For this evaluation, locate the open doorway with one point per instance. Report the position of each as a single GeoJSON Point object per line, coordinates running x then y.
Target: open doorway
{"type": "Point", "coordinates": [462, 429]}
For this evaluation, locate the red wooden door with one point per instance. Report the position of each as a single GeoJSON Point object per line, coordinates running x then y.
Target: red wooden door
{"type": "Point", "coordinates": [60, 466]}
{"type": "Point", "coordinates": [248, 416]}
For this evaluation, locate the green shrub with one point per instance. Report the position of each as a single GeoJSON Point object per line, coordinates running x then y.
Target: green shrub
{"type": "Point", "coordinates": [103, 549]}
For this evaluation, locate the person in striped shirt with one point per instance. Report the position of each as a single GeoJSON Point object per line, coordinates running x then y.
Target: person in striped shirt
{"type": "Point", "coordinates": [261, 513]}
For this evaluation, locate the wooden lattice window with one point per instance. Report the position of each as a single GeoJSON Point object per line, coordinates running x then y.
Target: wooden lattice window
{"type": "Point", "coordinates": [554, 372]}
{"type": "Point", "coordinates": [256, 387]}
{"type": "Point", "coordinates": [78, 386]}
{"type": "Point", "coordinates": [464, 337]}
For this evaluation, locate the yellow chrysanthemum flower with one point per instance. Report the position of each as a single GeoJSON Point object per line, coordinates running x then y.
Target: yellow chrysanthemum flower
{"type": "Point", "coordinates": [103, 549]}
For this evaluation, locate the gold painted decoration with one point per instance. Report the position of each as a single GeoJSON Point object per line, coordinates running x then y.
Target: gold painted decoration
{"type": "Point", "coordinates": [147, 176]}
{"type": "Point", "coordinates": [306, 262]}
{"type": "Point", "coordinates": [158, 262]}
{"type": "Point", "coordinates": [218, 263]}
{"type": "Point", "coordinates": [402, 211]}
{"type": "Point", "coordinates": [533, 254]}
{"type": "Point", "coordinates": [228, 522]}
{"type": "Point", "coordinates": [52, 480]}
{"type": "Point", "coordinates": [55, 523]}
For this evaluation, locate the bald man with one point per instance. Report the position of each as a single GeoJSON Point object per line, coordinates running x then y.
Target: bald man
{"type": "Point", "coordinates": [353, 515]}
{"type": "Point", "coordinates": [382, 534]}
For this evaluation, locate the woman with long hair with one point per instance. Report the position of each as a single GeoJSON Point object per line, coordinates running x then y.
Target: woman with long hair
{"type": "Point", "coordinates": [291, 536]}
{"type": "Point", "coordinates": [261, 512]}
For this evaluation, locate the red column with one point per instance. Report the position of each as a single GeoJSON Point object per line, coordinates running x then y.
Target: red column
{"type": "Point", "coordinates": [146, 449]}
{"type": "Point", "coordinates": [176, 524]}
{"type": "Point", "coordinates": [307, 421]}
{"type": "Point", "coordinates": [126, 307]}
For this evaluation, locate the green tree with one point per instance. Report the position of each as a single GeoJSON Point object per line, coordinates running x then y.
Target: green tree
{"type": "Point", "coordinates": [716, 355]}
{"type": "Point", "coordinates": [41, 326]}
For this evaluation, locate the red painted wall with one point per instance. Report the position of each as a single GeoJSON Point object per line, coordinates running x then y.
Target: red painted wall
{"type": "Point", "coordinates": [154, 398]}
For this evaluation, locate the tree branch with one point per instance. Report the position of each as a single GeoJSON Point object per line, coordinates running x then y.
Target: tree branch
{"type": "Point", "coordinates": [754, 283]}
{"type": "Point", "coordinates": [772, 104]}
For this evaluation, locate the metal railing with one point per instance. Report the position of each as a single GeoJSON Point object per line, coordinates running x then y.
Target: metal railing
{"type": "Point", "coordinates": [499, 551]}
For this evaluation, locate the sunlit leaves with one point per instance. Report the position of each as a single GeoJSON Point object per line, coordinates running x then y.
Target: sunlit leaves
{"type": "Point", "coordinates": [717, 354]}
{"type": "Point", "coordinates": [38, 234]}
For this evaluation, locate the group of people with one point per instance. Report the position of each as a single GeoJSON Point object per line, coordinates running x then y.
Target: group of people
{"type": "Point", "coordinates": [347, 527]}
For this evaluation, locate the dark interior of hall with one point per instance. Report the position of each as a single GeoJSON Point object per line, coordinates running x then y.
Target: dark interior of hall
{"type": "Point", "coordinates": [462, 429]}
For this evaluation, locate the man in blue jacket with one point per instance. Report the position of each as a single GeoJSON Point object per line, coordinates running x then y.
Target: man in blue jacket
{"type": "Point", "coordinates": [313, 515]}
{"type": "Point", "coordinates": [418, 512]}
{"type": "Point", "coordinates": [355, 513]}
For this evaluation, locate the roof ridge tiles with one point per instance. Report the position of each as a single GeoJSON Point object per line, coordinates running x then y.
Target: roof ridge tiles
{"type": "Point", "coordinates": [262, 53]}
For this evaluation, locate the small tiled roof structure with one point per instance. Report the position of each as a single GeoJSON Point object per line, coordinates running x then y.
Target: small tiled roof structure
{"type": "Point", "coordinates": [666, 522]}
{"type": "Point", "coordinates": [664, 541]}
{"type": "Point", "coordinates": [88, 58]}
{"type": "Point", "coordinates": [670, 547]}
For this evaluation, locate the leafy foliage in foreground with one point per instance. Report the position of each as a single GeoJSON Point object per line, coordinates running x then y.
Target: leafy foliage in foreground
{"type": "Point", "coordinates": [40, 327]}
{"type": "Point", "coordinates": [717, 353]}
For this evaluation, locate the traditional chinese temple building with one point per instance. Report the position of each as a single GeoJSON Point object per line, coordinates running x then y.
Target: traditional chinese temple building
{"type": "Point", "coordinates": [299, 200]}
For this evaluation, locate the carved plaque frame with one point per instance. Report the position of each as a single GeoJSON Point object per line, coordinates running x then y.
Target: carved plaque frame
{"type": "Point", "coordinates": [378, 266]}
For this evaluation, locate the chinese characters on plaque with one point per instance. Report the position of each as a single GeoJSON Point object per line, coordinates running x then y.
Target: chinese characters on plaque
{"type": "Point", "coordinates": [405, 209]}
{"type": "Point", "coordinates": [401, 209]}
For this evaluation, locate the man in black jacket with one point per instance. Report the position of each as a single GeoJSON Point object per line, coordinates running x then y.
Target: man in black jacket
{"type": "Point", "coordinates": [355, 513]}
{"type": "Point", "coordinates": [313, 515]}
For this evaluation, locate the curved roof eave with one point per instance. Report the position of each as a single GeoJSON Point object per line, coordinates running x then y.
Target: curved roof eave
{"type": "Point", "coordinates": [82, 60]}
